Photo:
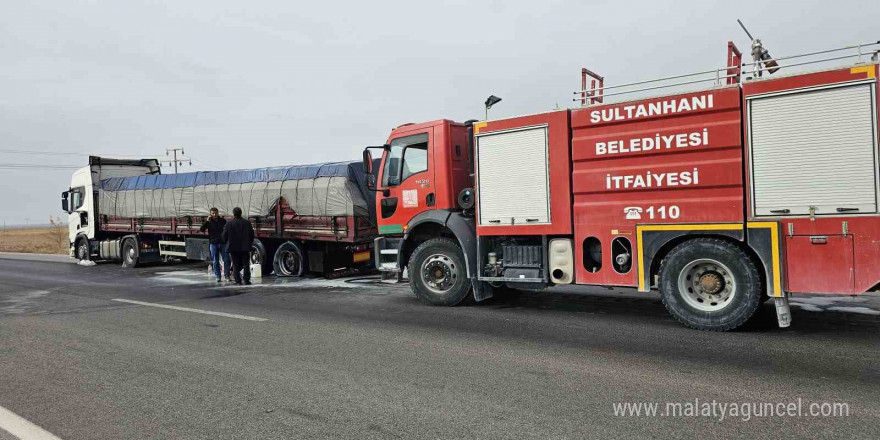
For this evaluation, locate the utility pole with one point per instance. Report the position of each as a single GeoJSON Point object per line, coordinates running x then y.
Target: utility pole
{"type": "Point", "coordinates": [172, 152]}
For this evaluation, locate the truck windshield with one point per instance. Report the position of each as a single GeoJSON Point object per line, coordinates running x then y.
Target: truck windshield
{"type": "Point", "coordinates": [77, 196]}
{"type": "Point", "coordinates": [416, 159]}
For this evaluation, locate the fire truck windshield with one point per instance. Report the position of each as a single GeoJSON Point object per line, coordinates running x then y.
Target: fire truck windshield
{"type": "Point", "coordinates": [415, 161]}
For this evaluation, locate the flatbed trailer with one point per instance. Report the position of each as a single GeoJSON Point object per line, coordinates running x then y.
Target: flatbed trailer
{"type": "Point", "coordinates": [314, 218]}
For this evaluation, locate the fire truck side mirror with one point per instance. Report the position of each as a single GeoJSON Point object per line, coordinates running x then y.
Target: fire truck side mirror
{"type": "Point", "coordinates": [370, 165]}
{"type": "Point", "coordinates": [368, 162]}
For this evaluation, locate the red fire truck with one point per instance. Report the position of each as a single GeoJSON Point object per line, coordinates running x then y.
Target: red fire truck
{"type": "Point", "coordinates": [754, 187]}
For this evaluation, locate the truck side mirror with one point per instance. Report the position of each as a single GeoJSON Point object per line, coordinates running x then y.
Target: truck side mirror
{"type": "Point", "coordinates": [64, 205]}
{"type": "Point", "coordinates": [369, 177]}
{"type": "Point", "coordinates": [368, 161]}
{"type": "Point", "coordinates": [369, 168]}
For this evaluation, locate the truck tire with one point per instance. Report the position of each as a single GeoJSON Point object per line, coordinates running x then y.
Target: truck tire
{"type": "Point", "coordinates": [289, 260]}
{"type": "Point", "coordinates": [437, 273]}
{"type": "Point", "coordinates": [82, 249]}
{"type": "Point", "coordinates": [710, 284]}
{"type": "Point", "coordinates": [259, 255]}
{"type": "Point", "coordinates": [130, 253]}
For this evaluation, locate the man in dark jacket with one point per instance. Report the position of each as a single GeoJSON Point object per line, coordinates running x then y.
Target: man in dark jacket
{"type": "Point", "coordinates": [239, 236]}
{"type": "Point", "coordinates": [214, 225]}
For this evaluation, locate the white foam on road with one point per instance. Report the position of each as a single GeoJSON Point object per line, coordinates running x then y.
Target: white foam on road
{"type": "Point", "coordinates": [807, 307]}
{"type": "Point", "coordinates": [827, 300]}
{"type": "Point", "coordinates": [370, 284]}
{"type": "Point", "coordinates": [862, 310]}
{"type": "Point", "coordinates": [20, 302]}
{"type": "Point", "coordinates": [22, 428]}
{"type": "Point", "coordinates": [282, 283]}
{"type": "Point", "coordinates": [864, 304]}
{"type": "Point", "coordinates": [177, 281]}
{"type": "Point", "coordinates": [187, 309]}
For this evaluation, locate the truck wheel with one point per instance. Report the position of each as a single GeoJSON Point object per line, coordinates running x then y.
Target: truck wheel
{"type": "Point", "coordinates": [129, 253]}
{"type": "Point", "coordinates": [259, 256]}
{"type": "Point", "coordinates": [289, 261]}
{"type": "Point", "coordinates": [437, 273]}
{"type": "Point", "coordinates": [82, 249]}
{"type": "Point", "coordinates": [710, 284]}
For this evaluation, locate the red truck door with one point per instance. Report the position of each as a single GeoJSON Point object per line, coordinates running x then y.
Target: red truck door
{"type": "Point", "coordinates": [407, 174]}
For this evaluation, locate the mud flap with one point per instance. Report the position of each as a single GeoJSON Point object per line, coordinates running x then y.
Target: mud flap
{"type": "Point", "coordinates": [783, 311]}
{"type": "Point", "coordinates": [482, 291]}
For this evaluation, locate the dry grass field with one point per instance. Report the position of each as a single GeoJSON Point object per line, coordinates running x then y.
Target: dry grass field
{"type": "Point", "coordinates": [43, 240]}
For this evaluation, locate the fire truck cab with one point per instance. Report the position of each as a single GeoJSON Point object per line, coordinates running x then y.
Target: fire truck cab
{"type": "Point", "coordinates": [722, 197]}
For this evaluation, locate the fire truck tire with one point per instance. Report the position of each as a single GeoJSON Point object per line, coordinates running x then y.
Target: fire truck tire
{"type": "Point", "coordinates": [129, 253]}
{"type": "Point", "coordinates": [710, 284]}
{"type": "Point", "coordinates": [437, 273]}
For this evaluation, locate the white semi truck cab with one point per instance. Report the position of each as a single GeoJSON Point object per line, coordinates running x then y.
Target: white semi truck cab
{"type": "Point", "coordinates": [80, 201]}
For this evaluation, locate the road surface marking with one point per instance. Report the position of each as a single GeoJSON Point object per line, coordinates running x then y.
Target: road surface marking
{"type": "Point", "coordinates": [21, 428]}
{"type": "Point", "coordinates": [186, 309]}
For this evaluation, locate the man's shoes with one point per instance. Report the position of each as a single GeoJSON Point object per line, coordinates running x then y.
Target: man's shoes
{"type": "Point", "coordinates": [219, 280]}
{"type": "Point", "coordinates": [247, 283]}
{"type": "Point", "coordinates": [228, 280]}
{"type": "Point", "coordinates": [238, 283]}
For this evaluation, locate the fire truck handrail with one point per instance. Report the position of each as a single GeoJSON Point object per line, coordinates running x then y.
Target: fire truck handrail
{"type": "Point", "coordinates": [858, 55]}
{"type": "Point", "coordinates": [756, 67]}
{"type": "Point", "coordinates": [658, 80]}
{"type": "Point", "coordinates": [764, 69]}
{"type": "Point", "coordinates": [645, 89]}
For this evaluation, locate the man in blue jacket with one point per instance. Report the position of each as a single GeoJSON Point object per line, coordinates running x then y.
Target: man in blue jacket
{"type": "Point", "coordinates": [215, 225]}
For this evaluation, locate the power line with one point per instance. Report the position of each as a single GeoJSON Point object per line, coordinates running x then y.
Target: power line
{"type": "Point", "coordinates": [72, 167]}
{"type": "Point", "coordinates": [205, 163]}
{"type": "Point", "coordinates": [33, 165]}
{"type": "Point", "coordinates": [62, 153]}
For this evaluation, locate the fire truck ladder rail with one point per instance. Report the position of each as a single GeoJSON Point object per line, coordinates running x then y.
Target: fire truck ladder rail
{"type": "Point", "coordinates": [756, 66]}
{"type": "Point", "coordinates": [717, 79]}
{"type": "Point", "coordinates": [687, 75]}
{"type": "Point", "coordinates": [721, 74]}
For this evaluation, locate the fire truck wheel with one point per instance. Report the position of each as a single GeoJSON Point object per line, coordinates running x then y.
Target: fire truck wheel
{"type": "Point", "coordinates": [710, 284]}
{"type": "Point", "coordinates": [129, 253]}
{"type": "Point", "coordinates": [438, 275]}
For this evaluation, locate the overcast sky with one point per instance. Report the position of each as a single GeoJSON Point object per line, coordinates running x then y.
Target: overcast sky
{"type": "Point", "coordinates": [260, 83]}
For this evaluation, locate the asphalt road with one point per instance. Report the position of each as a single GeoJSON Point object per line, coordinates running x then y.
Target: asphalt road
{"type": "Point", "coordinates": [360, 359]}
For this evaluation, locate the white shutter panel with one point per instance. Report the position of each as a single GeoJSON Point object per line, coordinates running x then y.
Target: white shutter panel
{"type": "Point", "coordinates": [513, 178]}
{"type": "Point", "coordinates": [814, 148]}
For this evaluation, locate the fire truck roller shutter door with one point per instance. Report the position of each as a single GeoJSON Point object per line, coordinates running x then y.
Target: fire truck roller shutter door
{"type": "Point", "coordinates": [814, 151]}
{"type": "Point", "coordinates": [513, 177]}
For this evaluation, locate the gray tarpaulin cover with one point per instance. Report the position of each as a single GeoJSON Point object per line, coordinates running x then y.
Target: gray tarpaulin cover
{"type": "Point", "coordinates": [329, 189]}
